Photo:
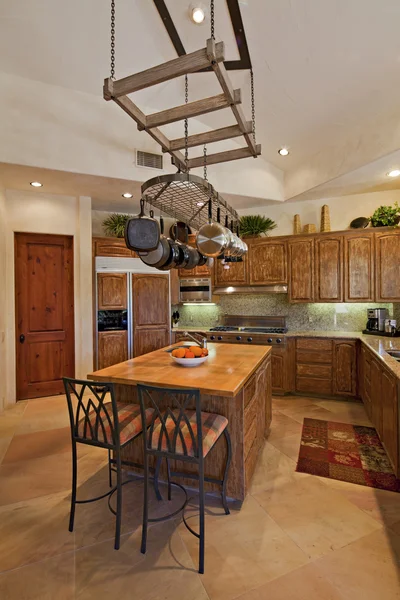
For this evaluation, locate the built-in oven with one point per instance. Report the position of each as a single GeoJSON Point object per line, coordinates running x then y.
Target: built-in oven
{"type": "Point", "coordinates": [112, 320]}
{"type": "Point", "coordinates": [195, 290]}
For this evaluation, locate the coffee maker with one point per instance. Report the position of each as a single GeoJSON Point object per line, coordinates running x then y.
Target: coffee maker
{"type": "Point", "coordinates": [376, 319]}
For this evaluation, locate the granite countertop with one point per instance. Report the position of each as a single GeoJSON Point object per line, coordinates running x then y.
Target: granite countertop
{"type": "Point", "coordinates": [377, 344]}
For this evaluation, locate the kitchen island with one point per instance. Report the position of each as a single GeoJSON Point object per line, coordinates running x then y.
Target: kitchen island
{"type": "Point", "coordinates": [235, 381]}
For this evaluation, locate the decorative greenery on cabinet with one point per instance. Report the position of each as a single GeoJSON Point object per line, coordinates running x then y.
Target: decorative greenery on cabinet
{"type": "Point", "coordinates": [114, 225]}
{"type": "Point", "coordinates": [385, 216]}
{"type": "Point", "coordinates": [255, 225]}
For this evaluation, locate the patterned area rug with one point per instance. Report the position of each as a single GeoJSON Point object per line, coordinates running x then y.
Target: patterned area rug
{"type": "Point", "coordinates": [346, 452]}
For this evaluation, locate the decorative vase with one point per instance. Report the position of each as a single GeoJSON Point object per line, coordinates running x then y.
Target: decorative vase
{"type": "Point", "coordinates": [309, 228]}
{"type": "Point", "coordinates": [325, 218]}
{"type": "Point", "coordinates": [296, 224]}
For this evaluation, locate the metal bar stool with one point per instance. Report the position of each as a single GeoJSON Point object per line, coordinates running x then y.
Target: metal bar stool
{"type": "Point", "coordinates": [178, 429]}
{"type": "Point", "coordinates": [97, 419]}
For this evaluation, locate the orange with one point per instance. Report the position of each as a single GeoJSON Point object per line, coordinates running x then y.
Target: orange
{"type": "Point", "coordinates": [174, 352]}
{"type": "Point", "coordinates": [179, 352]}
{"type": "Point", "coordinates": [193, 349]}
{"type": "Point", "coordinates": [189, 354]}
{"type": "Point", "coordinates": [204, 352]}
{"type": "Point", "coordinates": [197, 351]}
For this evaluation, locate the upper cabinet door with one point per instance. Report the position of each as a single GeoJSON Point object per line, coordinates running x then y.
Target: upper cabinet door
{"type": "Point", "coordinates": [359, 267]}
{"type": "Point", "coordinates": [268, 262]}
{"type": "Point", "coordinates": [329, 269]}
{"type": "Point", "coordinates": [111, 291]}
{"type": "Point", "coordinates": [301, 270]}
{"type": "Point", "coordinates": [387, 252]}
{"type": "Point", "coordinates": [112, 247]}
{"type": "Point", "coordinates": [237, 274]}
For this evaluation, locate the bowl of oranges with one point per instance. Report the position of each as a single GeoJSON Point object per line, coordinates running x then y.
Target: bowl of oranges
{"type": "Point", "coordinates": [189, 356]}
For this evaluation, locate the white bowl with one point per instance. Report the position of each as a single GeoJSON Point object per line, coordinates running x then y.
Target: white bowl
{"type": "Point", "coordinates": [189, 362]}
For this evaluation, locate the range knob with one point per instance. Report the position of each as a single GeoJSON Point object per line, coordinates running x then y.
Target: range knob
{"type": "Point", "coordinates": [220, 337]}
{"type": "Point", "coordinates": [238, 337]}
{"type": "Point", "coordinates": [212, 337]}
{"type": "Point", "coordinates": [269, 340]}
{"type": "Point", "coordinates": [249, 339]}
{"type": "Point", "coordinates": [278, 341]}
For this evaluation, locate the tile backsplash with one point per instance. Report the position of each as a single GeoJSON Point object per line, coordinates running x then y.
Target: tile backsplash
{"type": "Point", "coordinates": [327, 317]}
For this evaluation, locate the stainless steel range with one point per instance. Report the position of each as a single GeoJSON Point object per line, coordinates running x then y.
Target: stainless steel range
{"type": "Point", "coordinates": [249, 330]}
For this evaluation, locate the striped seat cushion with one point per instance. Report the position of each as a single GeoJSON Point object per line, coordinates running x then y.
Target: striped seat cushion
{"type": "Point", "coordinates": [130, 423]}
{"type": "Point", "coordinates": [212, 427]}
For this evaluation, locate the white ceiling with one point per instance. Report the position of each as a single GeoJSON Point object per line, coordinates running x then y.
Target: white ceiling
{"type": "Point", "coordinates": [322, 67]}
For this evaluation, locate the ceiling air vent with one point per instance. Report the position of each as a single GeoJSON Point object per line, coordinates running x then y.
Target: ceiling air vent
{"type": "Point", "coordinates": [149, 160]}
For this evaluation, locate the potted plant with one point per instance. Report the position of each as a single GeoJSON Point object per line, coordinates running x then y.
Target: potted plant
{"type": "Point", "coordinates": [114, 225]}
{"type": "Point", "coordinates": [386, 216]}
{"type": "Point", "coordinates": [252, 226]}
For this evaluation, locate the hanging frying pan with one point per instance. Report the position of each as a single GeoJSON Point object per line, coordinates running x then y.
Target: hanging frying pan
{"type": "Point", "coordinates": [158, 257]}
{"type": "Point", "coordinates": [142, 234]}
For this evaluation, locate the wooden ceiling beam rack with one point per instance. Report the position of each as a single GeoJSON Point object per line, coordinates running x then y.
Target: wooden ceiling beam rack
{"type": "Point", "coordinates": [211, 56]}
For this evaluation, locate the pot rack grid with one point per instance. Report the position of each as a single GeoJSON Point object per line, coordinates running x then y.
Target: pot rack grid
{"type": "Point", "coordinates": [210, 56]}
{"type": "Point", "coordinates": [185, 198]}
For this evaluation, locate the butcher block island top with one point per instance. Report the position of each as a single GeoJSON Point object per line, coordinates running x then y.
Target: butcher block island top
{"type": "Point", "coordinates": [224, 373]}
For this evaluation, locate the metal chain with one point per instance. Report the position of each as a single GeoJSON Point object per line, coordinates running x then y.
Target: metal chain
{"type": "Point", "coordinates": [212, 19]}
{"type": "Point", "coordinates": [112, 39]}
{"type": "Point", "coordinates": [205, 162]}
{"type": "Point", "coordinates": [186, 122]}
{"type": "Point", "coordinates": [253, 106]}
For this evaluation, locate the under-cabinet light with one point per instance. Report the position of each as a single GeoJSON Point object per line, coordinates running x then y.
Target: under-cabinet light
{"type": "Point", "coordinates": [199, 304]}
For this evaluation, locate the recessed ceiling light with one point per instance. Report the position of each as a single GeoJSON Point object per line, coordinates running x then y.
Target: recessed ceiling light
{"type": "Point", "coordinates": [36, 184]}
{"type": "Point", "coordinates": [283, 151]}
{"type": "Point", "coordinates": [198, 15]}
{"type": "Point", "coordinates": [394, 173]}
{"type": "Point", "coordinates": [199, 203]}
{"type": "Point", "coordinates": [127, 195]}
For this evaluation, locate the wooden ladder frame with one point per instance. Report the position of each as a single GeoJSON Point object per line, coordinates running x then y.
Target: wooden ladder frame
{"type": "Point", "coordinates": [212, 55]}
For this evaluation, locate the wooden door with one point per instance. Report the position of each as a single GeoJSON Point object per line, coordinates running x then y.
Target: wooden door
{"type": "Point", "coordinates": [268, 262]}
{"type": "Point", "coordinates": [301, 270]}
{"type": "Point", "coordinates": [344, 368]}
{"type": "Point", "coordinates": [278, 369]}
{"type": "Point", "coordinates": [236, 275]}
{"type": "Point", "coordinates": [150, 300]}
{"type": "Point", "coordinates": [329, 269]}
{"type": "Point", "coordinates": [359, 263]}
{"type": "Point", "coordinates": [390, 420]}
{"type": "Point", "coordinates": [44, 288]}
{"type": "Point", "coordinates": [113, 348]}
{"type": "Point", "coordinates": [387, 253]}
{"type": "Point", "coordinates": [112, 291]}
{"type": "Point", "coordinates": [376, 396]}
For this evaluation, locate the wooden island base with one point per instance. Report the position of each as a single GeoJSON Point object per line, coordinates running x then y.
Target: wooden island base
{"type": "Point", "coordinates": [249, 416]}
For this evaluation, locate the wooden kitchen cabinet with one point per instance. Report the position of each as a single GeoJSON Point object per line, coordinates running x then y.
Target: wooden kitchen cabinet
{"type": "Point", "coordinates": [203, 271]}
{"type": "Point", "coordinates": [111, 291]}
{"type": "Point", "coordinates": [387, 266]}
{"type": "Point", "coordinates": [268, 262]}
{"type": "Point", "coordinates": [376, 399]}
{"type": "Point", "coordinates": [390, 417]}
{"type": "Point", "coordinates": [329, 269]}
{"type": "Point", "coordinates": [359, 267]}
{"type": "Point", "coordinates": [344, 367]}
{"type": "Point", "coordinates": [150, 310]}
{"type": "Point", "coordinates": [112, 348]}
{"type": "Point", "coordinates": [112, 247]}
{"type": "Point", "coordinates": [279, 369]}
{"type": "Point", "coordinates": [236, 275]}
{"type": "Point", "coordinates": [301, 270]}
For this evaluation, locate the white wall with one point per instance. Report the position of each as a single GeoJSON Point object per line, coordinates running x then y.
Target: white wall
{"type": "Point", "coordinates": [342, 210]}
{"type": "Point", "coordinates": [64, 215]}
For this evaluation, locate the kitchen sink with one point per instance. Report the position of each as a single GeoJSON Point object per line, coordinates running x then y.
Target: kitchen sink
{"type": "Point", "coordinates": [182, 345]}
{"type": "Point", "coordinates": [394, 353]}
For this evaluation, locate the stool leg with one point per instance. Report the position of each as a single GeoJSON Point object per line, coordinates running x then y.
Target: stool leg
{"type": "Point", "coordinates": [201, 505]}
{"type": "Point", "coordinates": [109, 469]}
{"type": "Point", "coordinates": [74, 483]}
{"type": "Point", "coordinates": [156, 476]}
{"type": "Point", "coordinates": [119, 500]}
{"type": "Point", "coordinates": [145, 503]}
{"type": "Point", "coordinates": [227, 464]}
{"type": "Point", "coordinates": [169, 479]}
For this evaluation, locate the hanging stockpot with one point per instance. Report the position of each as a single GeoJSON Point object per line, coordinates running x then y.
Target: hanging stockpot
{"type": "Point", "coordinates": [142, 234]}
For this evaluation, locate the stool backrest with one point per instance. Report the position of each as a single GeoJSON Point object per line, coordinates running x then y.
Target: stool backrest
{"type": "Point", "coordinates": [93, 412]}
{"type": "Point", "coordinates": [171, 418]}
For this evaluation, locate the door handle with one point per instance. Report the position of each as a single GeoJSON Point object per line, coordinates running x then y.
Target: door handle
{"type": "Point", "coordinates": [22, 338]}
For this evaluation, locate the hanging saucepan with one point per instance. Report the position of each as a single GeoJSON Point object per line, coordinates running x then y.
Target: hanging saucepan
{"type": "Point", "coordinates": [180, 232]}
{"type": "Point", "coordinates": [193, 257]}
{"type": "Point", "coordinates": [173, 258]}
{"type": "Point", "coordinates": [158, 257]}
{"type": "Point", "coordinates": [142, 233]}
{"type": "Point", "coordinates": [243, 245]}
{"type": "Point", "coordinates": [202, 260]}
{"type": "Point", "coordinates": [231, 239]}
{"type": "Point", "coordinates": [211, 238]}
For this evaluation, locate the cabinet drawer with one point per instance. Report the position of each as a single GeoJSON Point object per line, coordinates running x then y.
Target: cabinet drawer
{"type": "Point", "coordinates": [321, 371]}
{"type": "Point", "coordinates": [250, 413]}
{"type": "Point", "coordinates": [250, 437]}
{"type": "Point", "coordinates": [313, 357]}
{"type": "Point", "coordinates": [250, 390]}
{"type": "Point", "coordinates": [314, 385]}
{"type": "Point", "coordinates": [314, 344]}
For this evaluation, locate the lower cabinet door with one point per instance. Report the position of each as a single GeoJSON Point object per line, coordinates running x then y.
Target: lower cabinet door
{"type": "Point", "coordinates": [344, 368]}
{"type": "Point", "coordinates": [376, 395]}
{"type": "Point", "coordinates": [390, 431]}
{"type": "Point", "coordinates": [112, 348]}
{"type": "Point", "coordinates": [147, 340]}
{"type": "Point", "coordinates": [278, 364]}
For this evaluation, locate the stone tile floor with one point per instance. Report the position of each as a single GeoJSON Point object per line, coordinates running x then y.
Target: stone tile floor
{"type": "Point", "coordinates": [297, 537]}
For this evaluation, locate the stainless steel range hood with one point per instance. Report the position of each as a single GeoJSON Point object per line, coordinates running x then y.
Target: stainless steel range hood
{"type": "Point", "coordinates": [251, 289]}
